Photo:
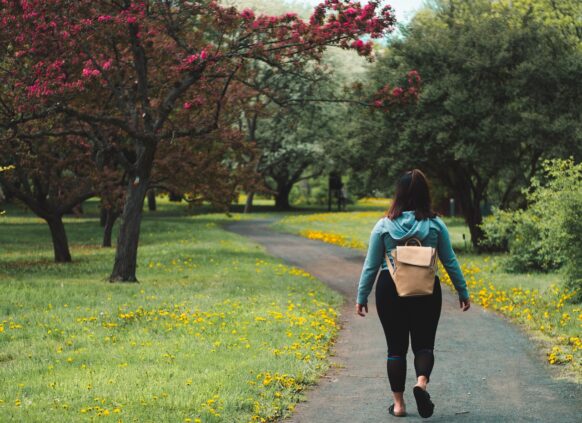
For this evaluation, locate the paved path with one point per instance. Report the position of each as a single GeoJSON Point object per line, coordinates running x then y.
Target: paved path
{"type": "Point", "coordinates": [486, 370]}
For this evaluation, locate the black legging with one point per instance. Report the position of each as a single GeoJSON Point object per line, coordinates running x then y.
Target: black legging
{"type": "Point", "coordinates": [400, 316]}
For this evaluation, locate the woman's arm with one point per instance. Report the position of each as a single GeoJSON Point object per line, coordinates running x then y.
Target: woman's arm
{"type": "Point", "coordinates": [371, 264]}
{"type": "Point", "coordinates": [450, 262]}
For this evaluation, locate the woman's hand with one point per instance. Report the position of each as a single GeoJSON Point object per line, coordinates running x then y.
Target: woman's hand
{"type": "Point", "coordinates": [465, 304]}
{"type": "Point", "coordinates": [360, 309]}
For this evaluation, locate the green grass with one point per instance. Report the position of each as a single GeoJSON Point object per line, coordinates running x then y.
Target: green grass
{"type": "Point", "coordinates": [216, 330]}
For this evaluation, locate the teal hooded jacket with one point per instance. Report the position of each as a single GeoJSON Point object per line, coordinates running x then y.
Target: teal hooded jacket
{"type": "Point", "coordinates": [387, 234]}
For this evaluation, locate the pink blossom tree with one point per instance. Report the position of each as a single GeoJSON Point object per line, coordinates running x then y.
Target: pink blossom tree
{"type": "Point", "coordinates": [150, 69]}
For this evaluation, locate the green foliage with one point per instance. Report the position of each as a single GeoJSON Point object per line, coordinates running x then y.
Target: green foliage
{"type": "Point", "coordinates": [547, 234]}
{"type": "Point", "coordinates": [534, 243]}
{"type": "Point", "coordinates": [572, 244]}
{"type": "Point", "coordinates": [310, 192]}
{"type": "Point", "coordinates": [296, 132]}
{"type": "Point", "coordinates": [500, 93]}
{"type": "Point", "coordinates": [563, 15]}
{"type": "Point", "coordinates": [498, 228]}
{"type": "Point", "coordinates": [301, 137]}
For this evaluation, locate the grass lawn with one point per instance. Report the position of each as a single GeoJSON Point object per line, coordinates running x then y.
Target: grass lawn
{"type": "Point", "coordinates": [216, 330]}
{"type": "Point", "coordinates": [535, 300]}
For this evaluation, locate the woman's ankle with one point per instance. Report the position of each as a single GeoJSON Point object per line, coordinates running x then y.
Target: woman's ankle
{"type": "Point", "coordinates": [398, 398]}
{"type": "Point", "coordinates": [399, 406]}
{"type": "Point", "coordinates": [422, 382]}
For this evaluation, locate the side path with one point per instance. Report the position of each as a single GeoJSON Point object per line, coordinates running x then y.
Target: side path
{"type": "Point", "coordinates": [485, 369]}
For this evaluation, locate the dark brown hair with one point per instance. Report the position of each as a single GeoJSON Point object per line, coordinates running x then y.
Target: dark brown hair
{"type": "Point", "coordinates": [412, 193]}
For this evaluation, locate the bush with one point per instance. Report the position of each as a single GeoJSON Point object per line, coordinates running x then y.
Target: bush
{"type": "Point", "coordinates": [573, 245]}
{"type": "Point", "coordinates": [498, 229]}
{"type": "Point", "coordinates": [548, 234]}
{"type": "Point", "coordinates": [310, 192]}
{"type": "Point", "coordinates": [534, 244]}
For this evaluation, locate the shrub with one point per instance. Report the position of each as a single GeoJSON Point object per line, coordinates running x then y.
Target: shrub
{"type": "Point", "coordinates": [311, 192]}
{"type": "Point", "coordinates": [548, 234]}
{"type": "Point", "coordinates": [498, 228]}
{"type": "Point", "coordinates": [573, 245]}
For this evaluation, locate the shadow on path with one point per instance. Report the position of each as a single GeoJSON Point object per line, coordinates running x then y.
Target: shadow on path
{"type": "Point", "coordinates": [486, 370]}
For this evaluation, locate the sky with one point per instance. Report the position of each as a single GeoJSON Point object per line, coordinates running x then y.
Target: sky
{"type": "Point", "coordinates": [405, 8]}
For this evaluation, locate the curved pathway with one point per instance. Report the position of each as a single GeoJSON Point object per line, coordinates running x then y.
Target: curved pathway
{"type": "Point", "coordinates": [486, 370]}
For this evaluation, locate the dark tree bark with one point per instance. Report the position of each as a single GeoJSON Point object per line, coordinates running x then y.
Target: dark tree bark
{"type": "Point", "coordinates": [473, 218]}
{"type": "Point", "coordinates": [111, 217]}
{"type": "Point", "coordinates": [469, 188]}
{"type": "Point", "coordinates": [152, 200]}
{"type": "Point", "coordinates": [102, 216]}
{"type": "Point", "coordinates": [124, 267]}
{"type": "Point", "coordinates": [282, 196]}
{"type": "Point", "coordinates": [76, 210]}
{"type": "Point", "coordinates": [249, 202]}
{"type": "Point", "coordinates": [59, 238]}
{"type": "Point", "coordinates": [470, 196]}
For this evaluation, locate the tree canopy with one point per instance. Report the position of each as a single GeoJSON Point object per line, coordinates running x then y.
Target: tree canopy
{"type": "Point", "coordinates": [499, 94]}
{"type": "Point", "coordinates": [136, 77]}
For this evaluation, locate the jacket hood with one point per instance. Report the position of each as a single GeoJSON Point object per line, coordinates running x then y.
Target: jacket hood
{"type": "Point", "coordinates": [406, 226]}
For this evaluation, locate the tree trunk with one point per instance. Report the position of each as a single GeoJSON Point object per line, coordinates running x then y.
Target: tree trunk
{"type": "Point", "coordinates": [152, 200]}
{"type": "Point", "coordinates": [282, 196]}
{"type": "Point", "coordinates": [124, 268]}
{"type": "Point", "coordinates": [471, 205]}
{"type": "Point", "coordinates": [125, 265]}
{"type": "Point", "coordinates": [249, 203]}
{"type": "Point", "coordinates": [112, 216]}
{"type": "Point", "coordinates": [59, 237]}
{"type": "Point", "coordinates": [102, 216]}
{"type": "Point", "coordinates": [474, 221]}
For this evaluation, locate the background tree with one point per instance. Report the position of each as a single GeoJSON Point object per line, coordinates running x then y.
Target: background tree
{"type": "Point", "coordinates": [494, 103]}
{"type": "Point", "coordinates": [111, 190]}
{"type": "Point", "coordinates": [288, 129]}
{"type": "Point", "coordinates": [211, 168]}
{"type": "Point", "coordinates": [51, 176]}
{"type": "Point", "coordinates": [292, 145]}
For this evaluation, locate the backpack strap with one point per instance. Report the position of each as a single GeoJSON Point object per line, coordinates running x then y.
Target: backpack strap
{"type": "Point", "coordinates": [390, 267]}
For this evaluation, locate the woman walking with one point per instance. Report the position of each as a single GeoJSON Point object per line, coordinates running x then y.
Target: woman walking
{"type": "Point", "coordinates": [410, 216]}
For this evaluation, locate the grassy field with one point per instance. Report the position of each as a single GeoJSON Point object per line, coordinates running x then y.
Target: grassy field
{"type": "Point", "coordinates": [534, 300]}
{"type": "Point", "coordinates": [215, 331]}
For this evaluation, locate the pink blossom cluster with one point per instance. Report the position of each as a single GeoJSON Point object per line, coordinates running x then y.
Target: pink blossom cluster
{"type": "Point", "coordinates": [363, 48]}
{"type": "Point", "coordinates": [72, 50]}
{"type": "Point", "coordinates": [333, 22]}
{"type": "Point", "coordinates": [388, 96]}
{"type": "Point", "coordinates": [192, 60]}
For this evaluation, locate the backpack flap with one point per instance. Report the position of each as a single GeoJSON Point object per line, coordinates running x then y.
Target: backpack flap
{"type": "Point", "coordinates": [415, 256]}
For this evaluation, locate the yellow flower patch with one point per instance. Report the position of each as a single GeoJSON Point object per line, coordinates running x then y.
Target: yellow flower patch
{"type": "Point", "coordinates": [331, 238]}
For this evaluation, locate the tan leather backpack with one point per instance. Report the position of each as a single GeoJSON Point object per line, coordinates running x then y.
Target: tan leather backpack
{"type": "Point", "coordinates": [414, 269]}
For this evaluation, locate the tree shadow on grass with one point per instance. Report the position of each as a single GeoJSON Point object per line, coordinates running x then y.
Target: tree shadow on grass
{"type": "Point", "coordinates": [163, 239]}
